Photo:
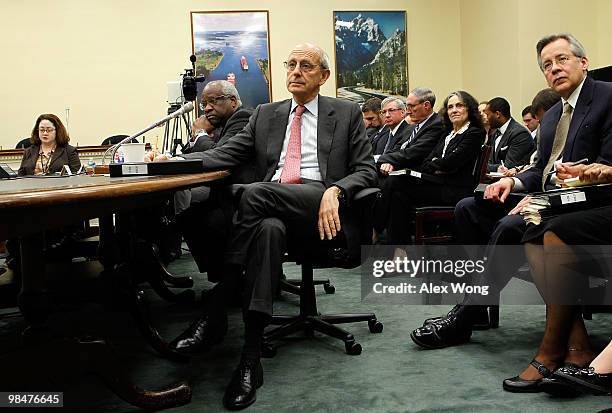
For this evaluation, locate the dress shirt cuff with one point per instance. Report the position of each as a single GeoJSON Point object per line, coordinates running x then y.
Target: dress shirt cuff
{"type": "Point", "coordinates": [518, 185]}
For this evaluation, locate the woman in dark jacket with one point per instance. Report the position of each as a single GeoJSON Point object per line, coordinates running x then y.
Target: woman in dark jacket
{"type": "Point", "coordinates": [451, 163]}
{"type": "Point", "coordinates": [50, 150]}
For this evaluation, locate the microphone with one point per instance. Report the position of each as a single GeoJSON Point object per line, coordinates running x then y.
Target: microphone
{"type": "Point", "coordinates": [186, 108]}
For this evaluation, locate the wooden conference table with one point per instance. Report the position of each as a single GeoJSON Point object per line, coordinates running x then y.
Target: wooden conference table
{"type": "Point", "coordinates": [29, 206]}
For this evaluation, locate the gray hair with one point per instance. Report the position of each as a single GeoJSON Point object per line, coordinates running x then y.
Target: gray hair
{"type": "Point", "coordinates": [399, 103]}
{"type": "Point", "coordinates": [227, 88]}
{"type": "Point", "coordinates": [424, 94]}
{"type": "Point", "coordinates": [576, 47]}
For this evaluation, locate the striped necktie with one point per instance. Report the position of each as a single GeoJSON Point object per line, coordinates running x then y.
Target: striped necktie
{"type": "Point", "coordinates": [559, 142]}
{"type": "Point", "coordinates": [412, 135]}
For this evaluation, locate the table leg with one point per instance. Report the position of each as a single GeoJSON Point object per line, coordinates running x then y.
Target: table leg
{"type": "Point", "coordinates": [34, 303]}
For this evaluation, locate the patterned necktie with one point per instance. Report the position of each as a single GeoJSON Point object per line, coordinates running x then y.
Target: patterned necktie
{"type": "Point", "coordinates": [293, 157]}
{"type": "Point", "coordinates": [412, 135]}
{"type": "Point", "coordinates": [559, 142]}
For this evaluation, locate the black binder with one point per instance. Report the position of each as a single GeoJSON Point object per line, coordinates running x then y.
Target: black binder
{"type": "Point", "coordinates": [171, 167]}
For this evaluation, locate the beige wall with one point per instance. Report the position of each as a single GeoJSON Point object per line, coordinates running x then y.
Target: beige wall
{"type": "Point", "coordinates": [109, 61]}
{"type": "Point", "coordinates": [499, 38]}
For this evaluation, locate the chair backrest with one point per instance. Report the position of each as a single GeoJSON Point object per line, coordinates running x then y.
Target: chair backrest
{"type": "Point", "coordinates": [24, 143]}
{"type": "Point", "coordinates": [112, 140]}
{"type": "Point", "coordinates": [480, 168]}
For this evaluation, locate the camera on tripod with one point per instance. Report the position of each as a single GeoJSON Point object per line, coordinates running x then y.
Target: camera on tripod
{"type": "Point", "coordinates": [190, 81]}
{"type": "Point", "coordinates": [190, 85]}
{"type": "Point", "coordinates": [180, 93]}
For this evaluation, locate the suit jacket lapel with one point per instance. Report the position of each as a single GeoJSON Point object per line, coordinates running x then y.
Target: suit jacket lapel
{"type": "Point", "coordinates": [326, 123]}
{"type": "Point", "coordinates": [276, 136]}
{"type": "Point", "coordinates": [583, 105]}
{"type": "Point", "coordinates": [57, 153]}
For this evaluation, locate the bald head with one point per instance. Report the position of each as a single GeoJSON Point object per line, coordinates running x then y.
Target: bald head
{"type": "Point", "coordinates": [307, 71]}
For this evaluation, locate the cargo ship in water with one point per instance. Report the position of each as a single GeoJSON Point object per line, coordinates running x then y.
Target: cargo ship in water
{"type": "Point", "coordinates": [231, 78]}
{"type": "Point", "coordinates": [243, 63]}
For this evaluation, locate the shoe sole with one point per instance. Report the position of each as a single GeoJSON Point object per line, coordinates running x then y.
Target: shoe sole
{"type": "Point", "coordinates": [585, 385]}
{"type": "Point", "coordinates": [559, 389]}
{"type": "Point", "coordinates": [430, 347]}
{"type": "Point", "coordinates": [536, 389]}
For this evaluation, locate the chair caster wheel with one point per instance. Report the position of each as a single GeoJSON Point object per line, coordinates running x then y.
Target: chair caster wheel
{"type": "Point", "coordinates": [375, 326]}
{"type": "Point", "coordinates": [268, 351]}
{"type": "Point", "coordinates": [352, 348]}
{"type": "Point", "coordinates": [329, 288]}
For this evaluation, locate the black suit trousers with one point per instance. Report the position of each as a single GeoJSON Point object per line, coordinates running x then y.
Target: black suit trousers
{"type": "Point", "coordinates": [268, 215]}
{"type": "Point", "coordinates": [400, 194]}
{"type": "Point", "coordinates": [486, 223]}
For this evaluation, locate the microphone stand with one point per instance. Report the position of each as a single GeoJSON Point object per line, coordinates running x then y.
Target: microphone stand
{"type": "Point", "coordinates": [113, 149]}
{"type": "Point", "coordinates": [178, 141]}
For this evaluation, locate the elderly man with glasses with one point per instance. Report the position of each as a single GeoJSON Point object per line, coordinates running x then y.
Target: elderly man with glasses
{"type": "Point", "coordinates": [310, 153]}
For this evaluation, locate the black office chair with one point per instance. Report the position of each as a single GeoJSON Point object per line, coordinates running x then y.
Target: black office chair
{"type": "Point", "coordinates": [433, 224]}
{"type": "Point", "coordinates": [115, 139]}
{"type": "Point", "coordinates": [24, 143]}
{"type": "Point", "coordinates": [344, 253]}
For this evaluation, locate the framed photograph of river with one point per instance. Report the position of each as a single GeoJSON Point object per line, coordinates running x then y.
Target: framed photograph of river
{"type": "Point", "coordinates": [371, 54]}
{"type": "Point", "coordinates": [234, 46]}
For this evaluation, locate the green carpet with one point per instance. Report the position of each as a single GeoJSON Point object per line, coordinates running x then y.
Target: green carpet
{"type": "Point", "coordinates": [315, 375]}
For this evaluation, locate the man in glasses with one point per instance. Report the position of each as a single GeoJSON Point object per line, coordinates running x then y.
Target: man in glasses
{"type": "Point", "coordinates": [223, 109]}
{"type": "Point", "coordinates": [578, 126]}
{"type": "Point", "coordinates": [310, 152]}
{"type": "Point", "coordinates": [393, 113]}
{"type": "Point", "coordinates": [210, 212]}
{"type": "Point", "coordinates": [420, 137]}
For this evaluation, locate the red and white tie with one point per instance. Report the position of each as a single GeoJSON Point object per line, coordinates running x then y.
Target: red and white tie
{"type": "Point", "coordinates": [293, 157]}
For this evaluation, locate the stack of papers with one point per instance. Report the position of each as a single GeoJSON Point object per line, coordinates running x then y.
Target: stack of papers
{"type": "Point", "coordinates": [531, 212]}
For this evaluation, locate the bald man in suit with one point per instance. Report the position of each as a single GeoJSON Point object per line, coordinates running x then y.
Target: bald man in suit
{"type": "Point", "coordinates": [309, 153]}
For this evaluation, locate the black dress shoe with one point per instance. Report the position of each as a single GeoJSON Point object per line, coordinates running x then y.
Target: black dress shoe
{"type": "Point", "coordinates": [448, 331]}
{"type": "Point", "coordinates": [241, 391]}
{"type": "Point", "coordinates": [557, 387]}
{"type": "Point", "coordinates": [517, 385]}
{"type": "Point", "coordinates": [200, 335]}
{"type": "Point", "coordinates": [479, 316]}
{"type": "Point", "coordinates": [586, 380]}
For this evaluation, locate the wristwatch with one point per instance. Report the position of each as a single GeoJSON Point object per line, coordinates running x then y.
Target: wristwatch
{"type": "Point", "coordinates": [339, 193]}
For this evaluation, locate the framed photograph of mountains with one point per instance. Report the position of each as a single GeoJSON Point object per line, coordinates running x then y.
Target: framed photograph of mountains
{"type": "Point", "coordinates": [371, 54]}
{"type": "Point", "coordinates": [234, 46]}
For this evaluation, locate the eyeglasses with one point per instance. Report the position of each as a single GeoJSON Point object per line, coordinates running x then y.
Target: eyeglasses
{"type": "Point", "coordinates": [213, 101]}
{"type": "Point", "coordinates": [411, 107]}
{"type": "Point", "coordinates": [559, 60]}
{"type": "Point", "coordinates": [389, 111]}
{"type": "Point", "coordinates": [304, 66]}
{"type": "Point", "coordinates": [47, 130]}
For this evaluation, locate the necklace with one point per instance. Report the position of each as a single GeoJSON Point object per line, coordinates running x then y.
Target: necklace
{"type": "Point", "coordinates": [45, 160]}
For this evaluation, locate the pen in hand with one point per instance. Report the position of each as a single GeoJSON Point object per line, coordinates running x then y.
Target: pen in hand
{"type": "Point", "coordinates": [582, 161]}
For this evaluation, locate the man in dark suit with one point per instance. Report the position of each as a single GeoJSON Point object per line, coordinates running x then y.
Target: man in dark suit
{"type": "Point", "coordinates": [579, 126]}
{"type": "Point", "coordinates": [393, 113]}
{"type": "Point", "coordinates": [512, 143]}
{"type": "Point", "coordinates": [421, 136]}
{"type": "Point", "coordinates": [377, 131]}
{"type": "Point", "coordinates": [370, 111]}
{"type": "Point", "coordinates": [309, 153]}
{"type": "Point", "coordinates": [212, 214]}
{"type": "Point", "coordinates": [201, 130]}
{"type": "Point", "coordinates": [419, 140]}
